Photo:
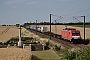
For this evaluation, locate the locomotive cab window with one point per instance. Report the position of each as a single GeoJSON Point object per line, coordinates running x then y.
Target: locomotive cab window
{"type": "Point", "coordinates": [75, 32]}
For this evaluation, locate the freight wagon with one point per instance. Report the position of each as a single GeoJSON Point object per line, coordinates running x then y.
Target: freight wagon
{"type": "Point", "coordinates": [39, 29]}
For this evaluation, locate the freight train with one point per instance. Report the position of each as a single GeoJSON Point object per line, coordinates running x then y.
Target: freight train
{"type": "Point", "coordinates": [37, 28]}
{"type": "Point", "coordinates": [71, 34]}
{"type": "Point", "coordinates": [68, 34]}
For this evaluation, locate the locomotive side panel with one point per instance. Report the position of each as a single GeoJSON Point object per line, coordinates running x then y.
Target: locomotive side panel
{"type": "Point", "coordinates": [66, 35]}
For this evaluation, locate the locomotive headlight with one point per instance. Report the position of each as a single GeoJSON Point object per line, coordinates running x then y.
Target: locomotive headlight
{"type": "Point", "coordinates": [78, 37]}
{"type": "Point", "coordinates": [75, 37]}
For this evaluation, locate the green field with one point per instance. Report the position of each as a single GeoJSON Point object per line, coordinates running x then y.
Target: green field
{"type": "Point", "coordinates": [46, 55]}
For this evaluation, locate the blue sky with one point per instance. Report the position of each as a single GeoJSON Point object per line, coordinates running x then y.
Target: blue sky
{"type": "Point", "coordinates": [21, 11]}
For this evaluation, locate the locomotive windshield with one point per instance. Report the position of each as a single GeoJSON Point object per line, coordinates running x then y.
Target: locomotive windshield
{"type": "Point", "coordinates": [75, 32]}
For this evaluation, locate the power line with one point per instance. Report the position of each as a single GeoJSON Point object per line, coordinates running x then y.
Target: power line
{"type": "Point", "coordinates": [76, 19]}
{"type": "Point", "coordinates": [55, 15]}
{"type": "Point", "coordinates": [59, 17]}
{"type": "Point", "coordinates": [76, 12]}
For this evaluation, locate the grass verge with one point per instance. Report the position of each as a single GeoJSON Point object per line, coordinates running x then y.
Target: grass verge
{"type": "Point", "coordinates": [46, 55]}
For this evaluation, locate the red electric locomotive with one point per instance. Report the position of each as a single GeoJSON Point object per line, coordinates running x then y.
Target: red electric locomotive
{"type": "Point", "coordinates": [71, 34]}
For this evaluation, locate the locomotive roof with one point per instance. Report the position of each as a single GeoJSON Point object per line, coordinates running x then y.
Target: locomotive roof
{"type": "Point", "coordinates": [70, 29]}
{"type": "Point", "coordinates": [67, 29]}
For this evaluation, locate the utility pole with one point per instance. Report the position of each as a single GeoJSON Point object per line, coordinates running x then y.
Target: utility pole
{"type": "Point", "coordinates": [36, 27]}
{"type": "Point", "coordinates": [44, 24]}
{"type": "Point", "coordinates": [30, 25]}
{"type": "Point", "coordinates": [84, 27]}
{"type": "Point", "coordinates": [55, 27]}
{"type": "Point", "coordinates": [50, 26]}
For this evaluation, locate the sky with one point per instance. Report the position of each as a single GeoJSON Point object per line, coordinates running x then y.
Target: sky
{"type": "Point", "coordinates": [22, 11]}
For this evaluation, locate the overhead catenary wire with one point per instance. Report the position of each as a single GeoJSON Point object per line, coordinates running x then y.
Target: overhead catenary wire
{"type": "Point", "coordinates": [77, 12]}
{"type": "Point", "coordinates": [55, 21]}
{"type": "Point", "coordinates": [71, 14]}
{"type": "Point", "coordinates": [59, 17]}
{"type": "Point", "coordinates": [76, 19]}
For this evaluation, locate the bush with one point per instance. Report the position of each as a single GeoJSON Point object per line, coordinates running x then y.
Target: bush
{"type": "Point", "coordinates": [30, 43]}
{"type": "Point", "coordinates": [47, 43]}
{"type": "Point", "coordinates": [14, 40]}
{"type": "Point", "coordinates": [57, 48]}
{"type": "Point", "coordinates": [84, 55]}
{"type": "Point", "coordinates": [70, 55]}
{"type": "Point", "coordinates": [27, 38]}
{"type": "Point", "coordinates": [78, 55]}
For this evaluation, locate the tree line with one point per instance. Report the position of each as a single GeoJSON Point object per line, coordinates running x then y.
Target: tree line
{"type": "Point", "coordinates": [47, 23]}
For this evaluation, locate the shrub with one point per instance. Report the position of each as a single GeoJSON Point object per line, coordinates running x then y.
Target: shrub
{"type": "Point", "coordinates": [70, 55]}
{"type": "Point", "coordinates": [84, 54]}
{"type": "Point", "coordinates": [47, 43]}
{"type": "Point", "coordinates": [14, 40]}
{"type": "Point", "coordinates": [30, 43]}
{"type": "Point", "coordinates": [78, 55]}
{"type": "Point", "coordinates": [57, 48]}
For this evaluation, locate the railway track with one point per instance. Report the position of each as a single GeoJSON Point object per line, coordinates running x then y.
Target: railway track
{"type": "Point", "coordinates": [56, 38]}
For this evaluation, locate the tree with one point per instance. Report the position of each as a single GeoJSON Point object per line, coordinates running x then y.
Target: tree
{"type": "Point", "coordinates": [17, 25]}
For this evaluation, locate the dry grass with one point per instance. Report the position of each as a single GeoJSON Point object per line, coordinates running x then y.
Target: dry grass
{"type": "Point", "coordinates": [14, 54]}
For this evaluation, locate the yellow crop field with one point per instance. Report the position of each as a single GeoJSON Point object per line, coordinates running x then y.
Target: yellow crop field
{"type": "Point", "coordinates": [14, 54]}
{"type": "Point", "coordinates": [7, 32]}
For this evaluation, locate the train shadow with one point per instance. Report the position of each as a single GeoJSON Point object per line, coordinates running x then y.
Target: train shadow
{"type": "Point", "coordinates": [82, 42]}
{"type": "Point", "coordinates": [86, 41]}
